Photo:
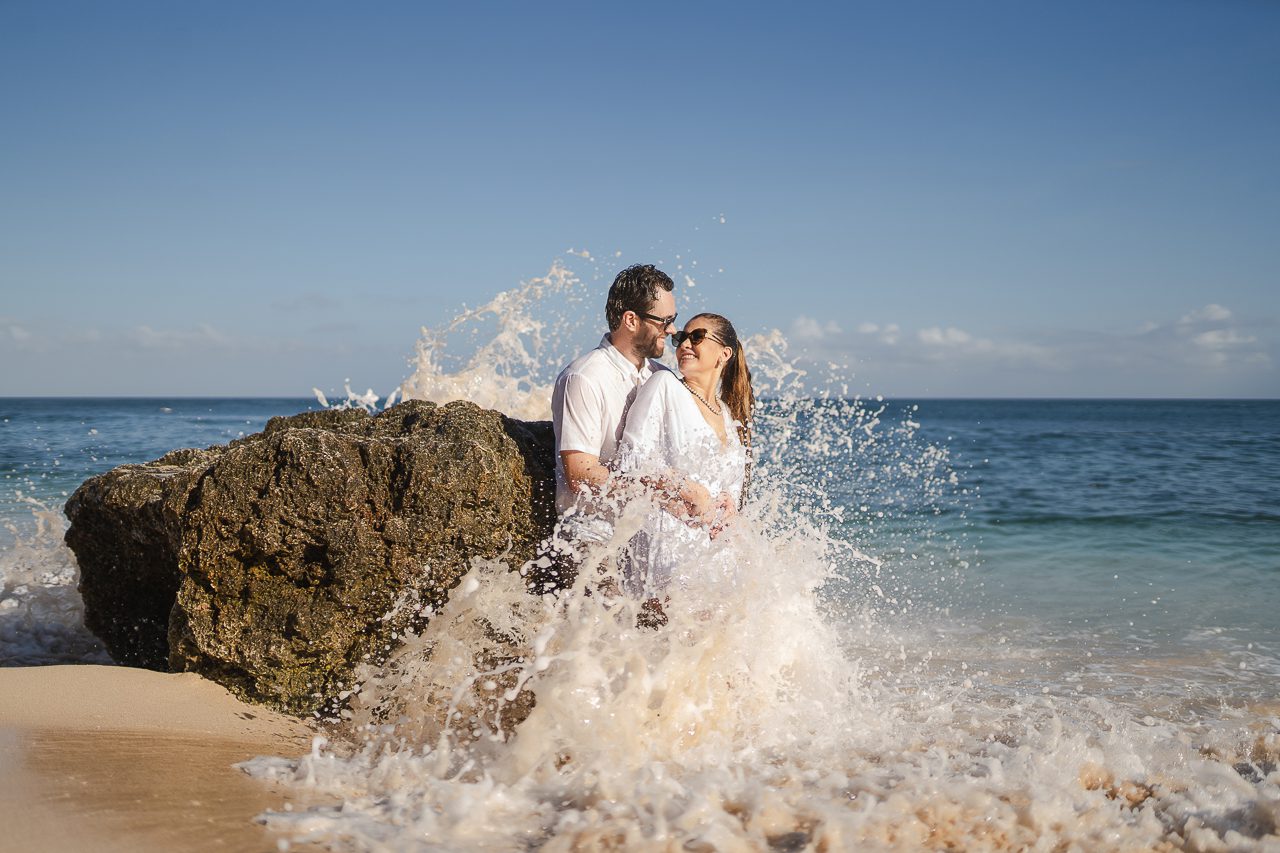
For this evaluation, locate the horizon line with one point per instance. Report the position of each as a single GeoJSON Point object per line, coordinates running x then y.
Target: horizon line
{"type": "Point", "coordinates": [873, 397]}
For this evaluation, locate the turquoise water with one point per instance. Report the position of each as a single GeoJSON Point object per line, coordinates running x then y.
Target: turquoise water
{"type": "Point", "coordinates": [1140, 536]}
{"type": "Point", "coordinates": [1178, 497]}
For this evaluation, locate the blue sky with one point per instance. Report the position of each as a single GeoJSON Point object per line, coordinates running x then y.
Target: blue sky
{"type": "Point", "coordinates": [968, 199]}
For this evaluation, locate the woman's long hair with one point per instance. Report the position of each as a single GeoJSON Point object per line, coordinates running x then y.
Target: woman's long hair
{"type": "Point", "coordinates": [735, 385]}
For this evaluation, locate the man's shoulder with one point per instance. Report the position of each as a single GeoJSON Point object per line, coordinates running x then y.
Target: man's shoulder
{"type": "Point", "coordinates": [576, 366]}
{"type": "Point", "coordinates": [593, 364]}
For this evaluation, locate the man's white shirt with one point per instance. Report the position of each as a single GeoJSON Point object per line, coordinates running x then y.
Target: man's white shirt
{"type": "Point", "coordinates": [589, 404]}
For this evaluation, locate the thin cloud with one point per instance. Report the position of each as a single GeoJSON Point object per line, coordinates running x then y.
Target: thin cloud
{"type": "Point", "coordinates": [1211, 313]}
{"type": "Point", "coordinates": [18, 334]}
{"type": "Point", "coordinates": [948, 337]}
{"type": "Point", "coordinates": [203, 335]}
{"type": "Point", "coordinates": [340, 327]}
{"type": "Point", "coordinates": [887, 334]}
{"type": "Point", "coordinates": [808, 329]}
{"type": "Point", "coordinates": [1207, 338]}
{"type": "Point", "coordinates": [311, 301]}
{"type": "Point", "coordinates": [944, 344]}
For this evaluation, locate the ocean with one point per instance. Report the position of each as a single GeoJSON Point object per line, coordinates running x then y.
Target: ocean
{"type": "Point", "coordinates": [976, 624]}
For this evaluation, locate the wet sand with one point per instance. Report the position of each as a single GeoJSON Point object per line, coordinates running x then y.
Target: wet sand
{"type": "Point", "coordinates": [106, 758]}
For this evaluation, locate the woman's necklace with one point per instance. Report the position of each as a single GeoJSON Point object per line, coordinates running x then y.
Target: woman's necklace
{"type": "Point", "coordinates": [701, 399]}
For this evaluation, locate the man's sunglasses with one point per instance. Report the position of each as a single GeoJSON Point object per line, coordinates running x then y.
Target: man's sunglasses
{"type": "Point", "coordinates": [665, 321]}
{"type": "Point", "coordinates": [695, 337]}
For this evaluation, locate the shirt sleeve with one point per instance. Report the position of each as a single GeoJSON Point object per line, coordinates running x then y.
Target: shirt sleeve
{"type": "Point", "coordinates": [581, 415]}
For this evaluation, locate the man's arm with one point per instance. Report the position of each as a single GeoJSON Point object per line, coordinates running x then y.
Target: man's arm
{"type": "Point", "coordinates": [577, 407]}
{"type": "Point", "coordinates": [582, 469]}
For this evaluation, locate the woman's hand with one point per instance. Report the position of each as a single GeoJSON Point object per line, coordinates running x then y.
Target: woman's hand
{"type": "Point", "coordinates": [726, 510]}
{"type": "Point", "coordinates": [699, 510]}
{"type": "Point", "coordinates": [702, 510]}
{"type": "Point", "coordinates": [692, 503]}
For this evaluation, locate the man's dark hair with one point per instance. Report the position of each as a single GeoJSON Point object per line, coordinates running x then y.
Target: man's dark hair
{"type": "Point", "coordinates": [635, 289]}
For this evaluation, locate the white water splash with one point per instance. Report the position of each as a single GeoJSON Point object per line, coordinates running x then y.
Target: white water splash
{"type": "Point", "coordinates": [750, 720]}
{"type": "Point", "coordinates": [512, 340]}
{"type": "Point", "coordinates": [41, 616]}
{"type": "Point", "coordinates": [821, 700]}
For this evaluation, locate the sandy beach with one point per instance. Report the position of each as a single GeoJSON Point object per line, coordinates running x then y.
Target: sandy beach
{"type": "Point", "coordinates": [107, 758]}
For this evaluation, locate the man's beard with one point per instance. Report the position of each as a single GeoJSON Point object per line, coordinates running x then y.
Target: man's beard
{"type": "Point", "coordinates": [651, 348]}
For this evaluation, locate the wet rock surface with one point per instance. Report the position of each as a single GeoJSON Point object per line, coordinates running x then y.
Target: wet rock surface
{"type": "Point", "coordinates": [276, 564]}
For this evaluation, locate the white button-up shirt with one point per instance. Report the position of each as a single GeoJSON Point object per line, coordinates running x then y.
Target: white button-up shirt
{"type": "Point", "coordinates": [588, 406]}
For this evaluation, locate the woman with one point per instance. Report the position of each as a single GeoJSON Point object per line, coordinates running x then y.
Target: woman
{"type": "Point", "coordinates": [687, 440]}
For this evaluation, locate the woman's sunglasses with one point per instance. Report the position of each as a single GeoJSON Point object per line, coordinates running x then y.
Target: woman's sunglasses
{"type": "Point", "coordinates": [695, 337]}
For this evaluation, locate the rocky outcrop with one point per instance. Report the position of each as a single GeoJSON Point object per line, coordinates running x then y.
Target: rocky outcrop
{"type": "Point", "coordinates": [277, 564]}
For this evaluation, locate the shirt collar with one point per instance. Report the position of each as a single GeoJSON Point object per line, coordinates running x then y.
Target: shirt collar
{"type": "Point", "coordinates": [624, 364]}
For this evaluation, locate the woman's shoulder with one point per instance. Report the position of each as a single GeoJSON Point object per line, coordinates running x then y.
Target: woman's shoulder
{"type": "Point", "coordinates": [655, 397]}
{"type": "Point", "coordinates": [663, 380]}
{"type": "Point", "coordinates": [663, 377]}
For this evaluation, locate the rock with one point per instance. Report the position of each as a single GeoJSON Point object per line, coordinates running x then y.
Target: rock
{"type": "Point", "coordinates": [126, 534]}
{"type": "Point", "coordinates": [277, 564]}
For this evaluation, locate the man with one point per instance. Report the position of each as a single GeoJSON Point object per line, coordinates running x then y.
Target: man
{"type": "Point", "coordinates": [592, 393]}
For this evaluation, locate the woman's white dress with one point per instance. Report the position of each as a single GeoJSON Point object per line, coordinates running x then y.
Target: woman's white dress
{"type": "Point", "coordinates": [665, 435]}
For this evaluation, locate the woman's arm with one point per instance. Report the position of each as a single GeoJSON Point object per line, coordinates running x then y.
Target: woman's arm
{"type": "Point", "coordinates": [645, 453]}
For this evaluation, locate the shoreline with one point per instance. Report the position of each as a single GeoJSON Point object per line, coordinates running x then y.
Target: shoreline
{"type": "Point", "coordinates": [112, 758]}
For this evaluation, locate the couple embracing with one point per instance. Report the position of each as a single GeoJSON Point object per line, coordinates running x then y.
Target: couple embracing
{"type": "Point", "coordinates": [631, 433]}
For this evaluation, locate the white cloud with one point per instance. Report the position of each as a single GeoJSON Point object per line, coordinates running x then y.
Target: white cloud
{"type": "Point", "coordinates": [1211, 337]}
{"type": "Point", "coordinates": [809, 329]}
{"type": "Point", "coordinates": [1211, 313]}
{"type": "Point", "coordinates": [1206, 350]}
{"type": "Point", "coordinates": [1222, 338]}
{"type": "Point", "coordinates": [956, 346]}
{"type": "Point", "coordinates": [1219, 340]}
{"type": "Point", "coordinates": [950, 336]}
{"type": "Point", "coordinates": [888, 333]}
{"type": "Point", "coordinates": [1207, 338]}
{"type": "Point", "coordinates": [947, 345]}
{"type": "Point", "coordinates": [16, 335]}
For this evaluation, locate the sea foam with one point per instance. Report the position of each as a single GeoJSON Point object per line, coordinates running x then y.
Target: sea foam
{"type": "Point", "coordinates": [818, 697]}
